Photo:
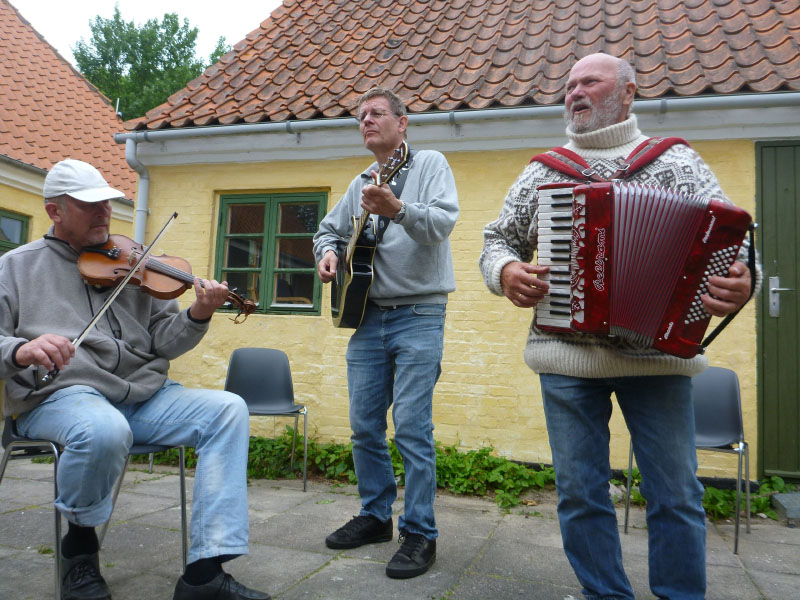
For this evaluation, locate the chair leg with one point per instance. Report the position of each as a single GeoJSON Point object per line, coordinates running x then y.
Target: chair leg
{"type": "Point", "coordinates": [628, 487]}
{"type": "Point", "coordinates": [294, 440]}
{"type": "Point", "coordinates": [4, 462]}
{"type": "Point", "coordinates": [747, 483]}
{"type": "Point", "coordinates": [101, 536]}
{"type": "Point", "coordinates": [57, 527]}
{"type": "Point", "coordinates": [738, 502]}
{"type": "Point", "coordinates": [152, 459]}
{"type": "Point", "coordinates": [305, 446]}
{"type": "Point", "coordinates": [184, 541]}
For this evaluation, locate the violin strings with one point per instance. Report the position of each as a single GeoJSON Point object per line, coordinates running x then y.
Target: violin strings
{"type": "Point", "coordinates": [166, 269]}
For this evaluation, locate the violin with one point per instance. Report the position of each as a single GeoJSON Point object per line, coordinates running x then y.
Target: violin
{"type": "Point", "coordinates": [164, 277]}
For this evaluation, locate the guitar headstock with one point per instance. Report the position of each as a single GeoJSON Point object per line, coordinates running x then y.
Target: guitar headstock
{"type": "Point", "coordinates": [392, 165]}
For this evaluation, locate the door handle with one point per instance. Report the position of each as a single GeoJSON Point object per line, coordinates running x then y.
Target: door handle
{"type": "Point", "coordinates": [774, 296]}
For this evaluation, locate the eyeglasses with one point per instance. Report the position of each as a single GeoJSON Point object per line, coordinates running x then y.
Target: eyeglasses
{"type": "Point", "coordinates": [375, 114]}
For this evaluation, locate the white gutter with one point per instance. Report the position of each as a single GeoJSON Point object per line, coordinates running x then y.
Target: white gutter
{"type": "Point", "coordinates": [142, 194]}
{"type": "Point", "coordinates": [659, 108]}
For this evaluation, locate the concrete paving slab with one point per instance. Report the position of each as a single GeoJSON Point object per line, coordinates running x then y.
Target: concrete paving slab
{"type": "Point", "coordinates": [724, 583]}
{"type": "Point", "coordinates": [483, 551]}
{"type": "Point", "coordinates": [480, 586]}
{"type": "Point", "coordinates": [366, 580]}
{"type": "Point", "coordinates": [26, 575]}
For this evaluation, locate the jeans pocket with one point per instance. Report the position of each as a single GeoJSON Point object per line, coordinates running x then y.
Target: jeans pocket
{"type": "Point", "coordinates": [429, 310]}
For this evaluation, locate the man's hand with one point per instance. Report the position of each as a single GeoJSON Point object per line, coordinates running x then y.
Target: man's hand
{"type": "Point", "coordinates": [521, 285]}
{"type": "Point", "coordinates": [326, 269]}
{"type": "Point", "coordinates": [380, 200]}
{"type": "Point", "coordinates": [48, 350]}
{"type": "Point", "coordinates": [730, 293]}
{"type": "Point", "coordinates": [210, 296]}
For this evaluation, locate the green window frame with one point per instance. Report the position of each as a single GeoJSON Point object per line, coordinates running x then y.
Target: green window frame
{"type": "Point", "coordinates": [265, 249]}
{"type": "Point", "coordinates": [13, 230]}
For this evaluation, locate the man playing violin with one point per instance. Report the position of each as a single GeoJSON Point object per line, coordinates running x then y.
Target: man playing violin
{"type": "Point", "coordinates": [394, 356]}
{"type": "Point", "coordinates": [113, 390]}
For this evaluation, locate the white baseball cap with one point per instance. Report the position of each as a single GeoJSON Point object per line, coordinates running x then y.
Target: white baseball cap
{"type": "Point", "coordinates": [79, 180]}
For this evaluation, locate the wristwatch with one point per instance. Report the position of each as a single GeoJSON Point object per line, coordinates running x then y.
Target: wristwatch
{"type": "Point", "coordinates": [400, 213]}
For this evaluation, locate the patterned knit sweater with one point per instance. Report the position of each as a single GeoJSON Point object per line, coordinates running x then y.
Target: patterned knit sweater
{"type": "Point", "coordinates": [512, 237]}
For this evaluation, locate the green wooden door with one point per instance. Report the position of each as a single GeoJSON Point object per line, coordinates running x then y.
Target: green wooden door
{"type": "Point", "coordinates": [778, 215]}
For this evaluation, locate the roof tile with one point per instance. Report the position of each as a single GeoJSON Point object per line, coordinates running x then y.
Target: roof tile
{"type": "Point", "coordinates": [49, 111]}
{"type": "Point", "coordinates": [313, 58]}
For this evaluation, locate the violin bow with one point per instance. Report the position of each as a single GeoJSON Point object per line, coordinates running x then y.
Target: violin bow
{"type": "Point", "coordinates": [113, 295]}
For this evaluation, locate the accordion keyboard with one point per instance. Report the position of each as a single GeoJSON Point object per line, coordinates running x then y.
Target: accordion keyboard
{"type": "Point", "coordinates": [554, 231]}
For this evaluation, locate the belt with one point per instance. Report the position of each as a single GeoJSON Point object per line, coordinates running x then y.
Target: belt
{"type": "Point", "coordinates": [389, 307]}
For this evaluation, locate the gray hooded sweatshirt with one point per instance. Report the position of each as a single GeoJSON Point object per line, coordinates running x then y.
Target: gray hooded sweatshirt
{"type": "Point", "coordinates": [125, 356]}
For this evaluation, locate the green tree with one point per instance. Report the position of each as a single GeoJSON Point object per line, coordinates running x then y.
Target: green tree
{"type": "Point", "coordinates": [221, 49]}
{"type": "Point", "coordinates": [142, 66]}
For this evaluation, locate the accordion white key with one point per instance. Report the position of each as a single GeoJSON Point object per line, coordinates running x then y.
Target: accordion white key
{"type": "Point", "coordinates": [632, 261]}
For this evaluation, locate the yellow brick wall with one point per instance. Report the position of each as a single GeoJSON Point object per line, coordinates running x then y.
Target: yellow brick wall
{"type": "Point", "coordinates": [486, 395]}
{"type": "Point", "coordinates": [32, 206]}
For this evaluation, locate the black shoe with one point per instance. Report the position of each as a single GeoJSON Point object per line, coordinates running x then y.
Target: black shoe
{"type": "Point", "coordinates": [222, 587]}
{"type": "Point", "coordinates": [81, 579]}
{"type": "Point", "coordinates": [359, 531]}
{"type": "Point", "coordinates": [416, 555]}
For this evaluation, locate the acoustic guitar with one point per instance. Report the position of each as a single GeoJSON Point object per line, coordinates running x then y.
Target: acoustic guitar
{"type": "Point", "coordinates": [354, 272]}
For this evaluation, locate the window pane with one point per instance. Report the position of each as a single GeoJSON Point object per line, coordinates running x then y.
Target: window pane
{"type": "Point", "coordinates": [11, 230]}
{"type": "Point", "coordinates": [298, 218]}
{"type": "Point", "coordinates": [242, 253]}
{"type": "Point", "coordinates": [295, 253]}
{"type": "Point", "coordinates": [294, 288]}
{"type": "Point", "coordinates": [244, 284]}
{"type": "Point", "coordinates": [246, 218]}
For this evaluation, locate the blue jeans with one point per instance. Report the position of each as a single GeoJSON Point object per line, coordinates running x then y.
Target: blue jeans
{"type": "Point", "coordinates": [394, 359]}
{"type": "Point", "coordinates": [96, 436]}
{"type": "Point", "coordinates": [659, 415]}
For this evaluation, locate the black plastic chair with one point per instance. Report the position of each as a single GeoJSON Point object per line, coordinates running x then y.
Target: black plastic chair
{"type": "Point", "coordinates": [719, 428]}
{"type": "Point", "coordinates": [263, 377]}
{"type": "Point", "coordinates": [17, 446]}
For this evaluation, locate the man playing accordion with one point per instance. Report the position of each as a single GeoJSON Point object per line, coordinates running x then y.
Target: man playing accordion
{"type": "Point", "coordinates": [579, 372]}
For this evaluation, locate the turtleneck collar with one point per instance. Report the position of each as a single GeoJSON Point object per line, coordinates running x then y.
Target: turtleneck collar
{"type": "Point", "coordinates": [612, 136]}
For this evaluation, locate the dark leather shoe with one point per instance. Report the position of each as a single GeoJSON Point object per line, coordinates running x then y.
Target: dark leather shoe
{"type": "Point", "coordinates": [415, 556]}
{"type": "Point", "coordinates": [222, 587]}
{"type": "Point", "coordinates": [81, 579]}
{"type": "Point", "coordinates": [359, 531]}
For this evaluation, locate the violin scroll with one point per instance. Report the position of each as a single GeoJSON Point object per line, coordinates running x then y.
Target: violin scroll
{"type": "Point", "coordinates": [245, 307]}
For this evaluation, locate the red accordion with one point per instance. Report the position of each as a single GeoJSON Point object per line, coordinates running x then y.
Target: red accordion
{"type": "Point", "coordinates": [632, 261]}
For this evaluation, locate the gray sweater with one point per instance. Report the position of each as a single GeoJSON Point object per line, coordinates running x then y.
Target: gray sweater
{"type": "Point", "coordinates": [413, 263]}
{"type": "Point", "coordinates": [126, 355]}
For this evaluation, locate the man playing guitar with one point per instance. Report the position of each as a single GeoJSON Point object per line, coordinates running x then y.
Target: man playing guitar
{"type": "Point", "coordinates": [394, 356]}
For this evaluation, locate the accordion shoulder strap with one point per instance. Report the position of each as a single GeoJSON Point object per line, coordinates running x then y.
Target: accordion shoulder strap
{"type": "Point", "coordinates": [645, 153]}
{"type": "Point", "coordinates": [571, 164]}
{"type": "Point", "coordinates": [567, 162]}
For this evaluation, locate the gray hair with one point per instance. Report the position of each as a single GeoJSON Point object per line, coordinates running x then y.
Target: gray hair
{"type": "Point", "coordinates": [625, 73]}
{"type": "Point", "coordinates": [397, 106]}
{"type": "Point", "coordinates": [60, 200]}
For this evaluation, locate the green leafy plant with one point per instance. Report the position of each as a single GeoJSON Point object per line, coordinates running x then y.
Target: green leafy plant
{"type": "Point", "coordinates": [474, 472]}
{"type": "Point", "coordinates": [636, 481]}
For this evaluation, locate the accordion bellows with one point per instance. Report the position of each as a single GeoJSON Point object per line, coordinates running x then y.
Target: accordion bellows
{"type": "Point", "coordinates": [633, 261]}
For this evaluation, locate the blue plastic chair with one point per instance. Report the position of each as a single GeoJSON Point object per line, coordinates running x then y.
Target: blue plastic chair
{"type": "Point", "coordinates": [263, 377]}
{"type": "Point", "coordinates": [718, 428]}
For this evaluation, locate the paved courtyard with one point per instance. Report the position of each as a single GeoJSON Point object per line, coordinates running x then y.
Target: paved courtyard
{"type": "Point", "coordinates": [483, 551]}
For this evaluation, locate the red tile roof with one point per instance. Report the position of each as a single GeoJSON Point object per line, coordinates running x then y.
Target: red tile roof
{"type": "Point", "coordinates": [314, 58]}
{"type": "Point", "coordinates": [49, 111]}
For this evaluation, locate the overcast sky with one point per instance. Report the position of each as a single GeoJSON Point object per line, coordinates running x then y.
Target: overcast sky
{"type": "Point", "coordinates": [64, 22]}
